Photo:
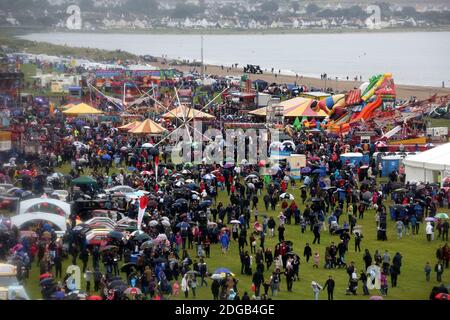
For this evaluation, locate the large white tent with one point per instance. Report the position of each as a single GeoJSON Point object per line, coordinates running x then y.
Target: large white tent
{"type": "Point", "coordinates": [429, 165]}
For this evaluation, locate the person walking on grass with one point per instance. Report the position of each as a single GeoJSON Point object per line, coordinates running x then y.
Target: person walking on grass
{"type": "Point", "coordinates": [400, 227]}
{"type": "Point", "coordinates": [358, 238]}
{"type": "Point", "coordinates": [429, 231]}
{"type": "Point", "coordinates": [307, 252]}
{"type": "Point", "coordinates": [316, 289]}
{"type": "Point", "coordinates": [439, 269]}
{"type": "Point", "coordinates": [316, 260]}
{"type": "Point", "coordinates": [225, 241]}
{"type": "Point", "coordinates": [329, 285]}
{"type": "Point", "coordinates": [427, 270]}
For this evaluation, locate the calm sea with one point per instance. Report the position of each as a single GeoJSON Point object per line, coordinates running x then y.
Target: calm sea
{"type": "Point", "coordinates": [420, 58]}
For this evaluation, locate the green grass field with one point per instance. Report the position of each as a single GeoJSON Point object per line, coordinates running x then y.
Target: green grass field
{"type": "Point", "coordinates": [416, 251]}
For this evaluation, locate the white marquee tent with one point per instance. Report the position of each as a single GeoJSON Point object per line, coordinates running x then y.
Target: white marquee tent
{"type": "Point", "coordinates": [427, 166]}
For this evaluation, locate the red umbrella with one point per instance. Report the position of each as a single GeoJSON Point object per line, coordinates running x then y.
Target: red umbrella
{"type": "Point", "coordinates": [94, 298]}
{"type": "Point", "coordinates": [441, 296]}
{"type": "Point", "coordinates": [17, 247]}
{"type": "Point", "coordinates": [45, 276]}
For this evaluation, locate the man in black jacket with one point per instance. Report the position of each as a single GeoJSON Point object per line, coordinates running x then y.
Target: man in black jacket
{"type": "Point", "coordinates": [307, 252]}
{"type": "Point", "coordinates": [329, 284]}
{"type": "Point", "coordinates": [258, 279]}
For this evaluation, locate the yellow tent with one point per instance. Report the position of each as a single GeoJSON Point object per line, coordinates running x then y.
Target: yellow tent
{"type": "Point", "coordinates": [67, 106]}
{"type": "Point", "coordinates": [293, 108]}
{"type": "Point", "coordinates": [82, 109]}
{"type": "Point", "coordinates": [186, 112]}
{"type": "Point", "coordinates": [148, 127]}
{"type": "Point", "coordinates": [130, 126]}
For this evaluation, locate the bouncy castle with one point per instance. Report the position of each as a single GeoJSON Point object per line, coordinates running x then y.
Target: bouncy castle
{"type": "Point", "coordinates": [358, 105]}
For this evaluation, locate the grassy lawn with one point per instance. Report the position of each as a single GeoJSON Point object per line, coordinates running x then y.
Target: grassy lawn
{"type": "Point", "coordinates": [416, 251]}
{"type": "Point", "coordinates": [438, 122]}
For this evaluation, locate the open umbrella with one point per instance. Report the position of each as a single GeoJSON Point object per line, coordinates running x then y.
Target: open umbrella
{"type": "Point", "coordinates": [147, 145]}
{"type": "Point", "coordinates": [222, 270]}
{"type": "Point", "coordinates": [126, 268]}
{"type": "Point", "coordinates": [165, 223]}
{"type": "Point", "coordinates": [133, 291]}
{"type": "Point", "coordinates": [45, 276]}
{"type": "Point", "coordinates": [208, 176]}
{"type": "Point", "coordinates": [106, 157]}
{"type": "Point", "coordinates": [94, 298]}
{"type": "Point", "coordinates": [182, 225]}
{"type": "Point", "coordinates": [306, 170]}
{"type": "Point", "coordinates": [341, 230]}
{"type": "Point", "coordinates": [153, 223]}
{"type": "Point", "coordinates": [287, 196]}
{"type": "Point", "coordinates": [142, 237]}
{"type": "Point", "coordinates": [430, 219]}
{"type": "Point", "coordinates": [218, 276]}
{"type": "Point", "coordinates": [251, 177]}
{"type": "Point", "coordinates": [235, 222]}
{"type": "Point", "coordinates": [107, 248]}
{"type": "Point", "coordinates": [162, 236]}
{"type": "Point", "coordinates": [441, 215]}
{"type": "Point", "coordinates": [46, 281]}
{"type": "Point", "coordinates": [147, 244]}
{"type": "Point", "coordinates": [115, 235]}
{"type": "Point", "coordinates": [441, 296]}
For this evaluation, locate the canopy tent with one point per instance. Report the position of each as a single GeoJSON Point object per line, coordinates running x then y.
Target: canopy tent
{"type": "Point", "coordinates": [186, 112]}
{"type": "Point", "coordinates": [56, 220]}
{"type": "Point", "coordinates": [148, 127]}
{"type": "Point", "coordinates": [82, 109]}
{"type": "Point", "coordinates": [426, 166]}
{"type": "Point", "coordinates": [26, 205]}
{"type": "Point", "coordinates": [84, 180]}
{"type": "Point", "coordinates": [130, 126]}
{"type": "Point", "coordinates": [295, 107]}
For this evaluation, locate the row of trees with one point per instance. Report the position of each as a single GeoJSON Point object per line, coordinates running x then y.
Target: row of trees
{"type": "Point", "coordinates": [265, 11]}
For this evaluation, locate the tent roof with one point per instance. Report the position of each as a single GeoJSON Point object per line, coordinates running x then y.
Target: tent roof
{"type": "Point", "coordinates": [189, 113]}
{"type": "Point", "coordinates": [437, 158]}
{"type": "Point", "coordinates": [295, 107]}
{"type": "Point", "coordinates": [81, 109]}
{"type": "Point", "coordinates": [148, 127]}
{"type": "Point", "coordinates": [130, 126]}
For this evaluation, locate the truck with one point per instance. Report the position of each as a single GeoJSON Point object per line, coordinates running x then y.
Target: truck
{"type": "Point", "coordinates": [10, 288]}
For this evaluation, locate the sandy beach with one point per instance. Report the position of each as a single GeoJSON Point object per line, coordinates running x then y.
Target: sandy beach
{"type": "Point", "coordinates": [403, 91]}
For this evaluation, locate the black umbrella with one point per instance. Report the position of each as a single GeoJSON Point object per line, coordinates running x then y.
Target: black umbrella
{"type": "Point", "coordinates": [160, 260]}
{"type": "Point", "coordinates": [115, 278]}
{"type": "Point", "coordinates": [142, 237]}
{"type": "Point", "coordinates": [46, 282]}
{"type": "Point", "coordinates": [341, 230]}
{"type": "Point", "coordinates": [128, 266]}
{"type": "Point", "coordinates": [116, 283]}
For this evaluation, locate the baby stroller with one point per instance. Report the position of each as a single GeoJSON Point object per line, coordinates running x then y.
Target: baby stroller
{"type": "Point", "coordinates": [341, 262]}
{"type": "Point", "coordinates": [352, 287]}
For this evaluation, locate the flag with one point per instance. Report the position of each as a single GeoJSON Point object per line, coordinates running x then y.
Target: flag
{"type": "Point", "coordinates": [156, 167]}
{"type": "Point", "coordinates": [143, 201]}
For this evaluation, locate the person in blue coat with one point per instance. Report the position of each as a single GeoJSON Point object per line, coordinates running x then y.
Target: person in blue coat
{"type": "Point", "coordinates": [225, 241]}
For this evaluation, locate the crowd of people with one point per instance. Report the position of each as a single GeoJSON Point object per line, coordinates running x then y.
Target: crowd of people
{"type": "Point", "coordinates": [167, 254]}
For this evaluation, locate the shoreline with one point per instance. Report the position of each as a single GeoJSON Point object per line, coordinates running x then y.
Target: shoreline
{"type": "Point", "coordinates": [404, 91]}
{"type": "Point", "coordinates": [177, 31]}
